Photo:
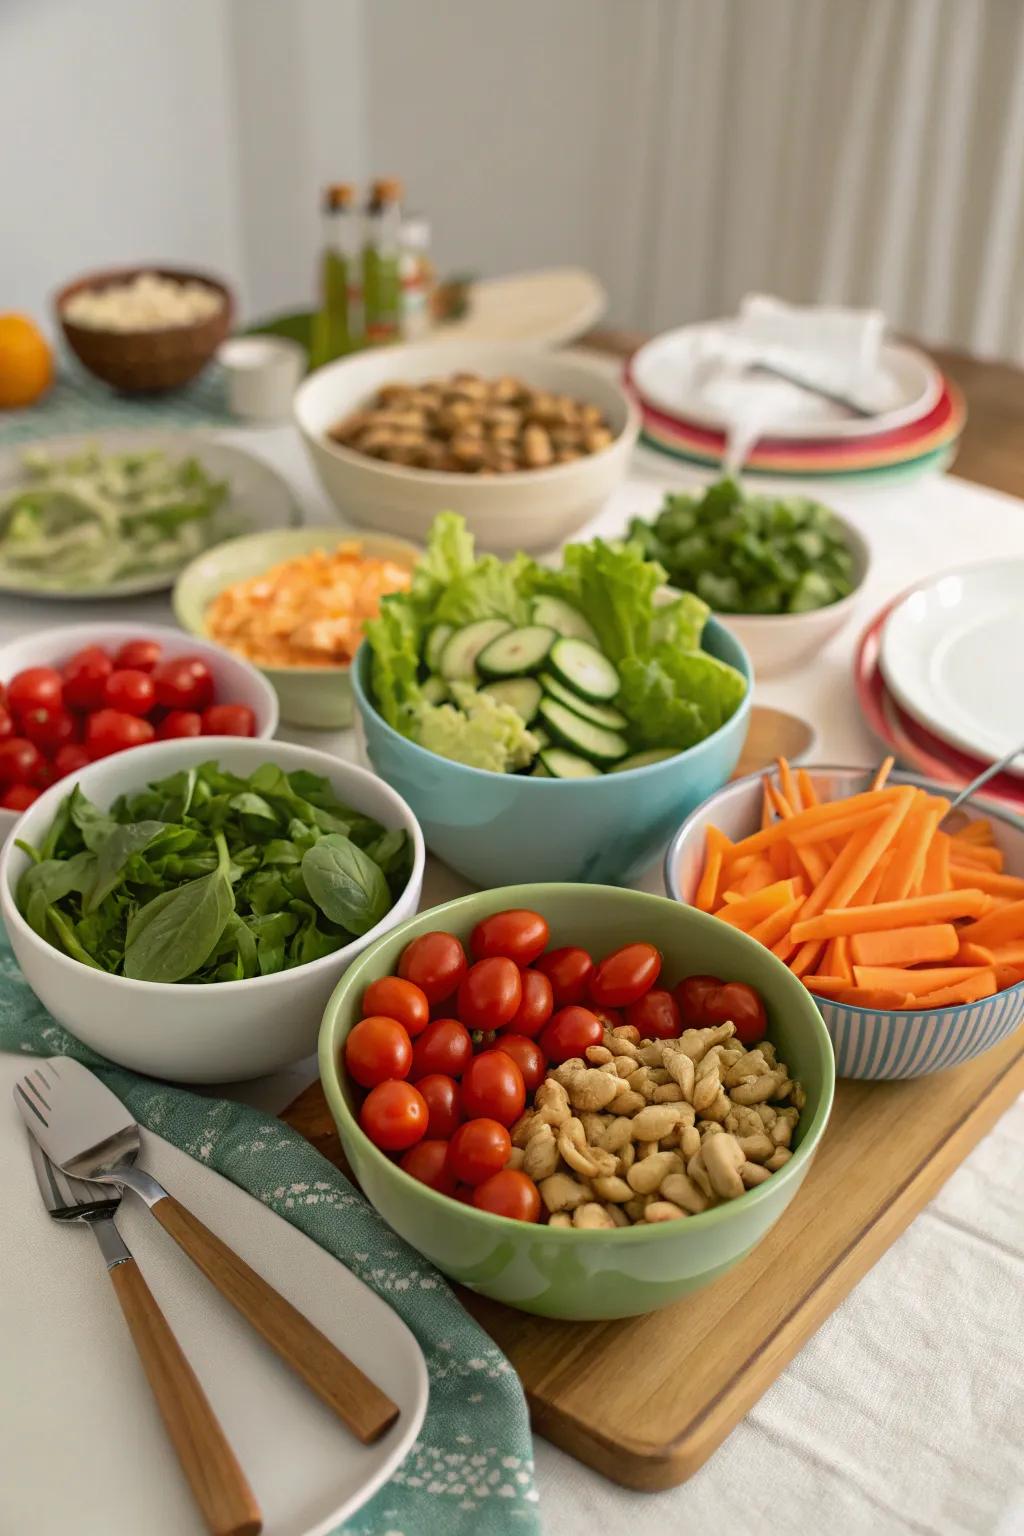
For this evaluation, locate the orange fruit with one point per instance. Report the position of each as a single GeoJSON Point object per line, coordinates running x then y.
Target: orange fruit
{"type": "Point", "coordinates": [26, 362]}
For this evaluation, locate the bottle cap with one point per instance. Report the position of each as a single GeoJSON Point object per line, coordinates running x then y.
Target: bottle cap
{"type": "Point", "coordinates": [387, 190]}
{"type": "Point", "coordinates": [340, 194]}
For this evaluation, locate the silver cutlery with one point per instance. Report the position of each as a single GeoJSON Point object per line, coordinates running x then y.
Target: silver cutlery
{"type": "Point", "coordinates": [88, 1133]}
{"type": "Point", "coordinates": [207, 1460]}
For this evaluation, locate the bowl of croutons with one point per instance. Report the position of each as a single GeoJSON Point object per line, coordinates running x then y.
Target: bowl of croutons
{"type": "Point", "coordinates": [526, 445]}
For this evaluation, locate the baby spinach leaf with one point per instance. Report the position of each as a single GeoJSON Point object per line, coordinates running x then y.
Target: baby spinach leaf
{"type": "Point", "coordinates": [175, 933]}
{"type": "Point", "coordinates": [112, 855]}
{"type": "Point", "coordinates": [345, 883]}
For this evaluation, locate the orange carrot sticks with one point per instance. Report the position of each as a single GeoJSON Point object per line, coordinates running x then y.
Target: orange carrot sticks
{"type": "Point", "coordinates": [907, 946]}
{"type": "Point", "coordinates": [892, 914]}
{"type": "Point", "coordinates": [707, 890]}
{"type": "Point", "coordinates": [885, 767]}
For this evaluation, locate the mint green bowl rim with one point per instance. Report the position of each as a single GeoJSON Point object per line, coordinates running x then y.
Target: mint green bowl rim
{"type": "Point", "coordinates": [520, 896]}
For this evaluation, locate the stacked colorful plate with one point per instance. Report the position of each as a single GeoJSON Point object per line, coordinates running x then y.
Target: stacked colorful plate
{"type": "Point", "coordinates": [939, 674]}
{"type": "Point", "coordinates": [687, 407]}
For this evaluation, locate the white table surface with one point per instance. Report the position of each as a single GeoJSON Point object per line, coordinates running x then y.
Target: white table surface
{"type": "Point", "coordinates": [905, 1412]}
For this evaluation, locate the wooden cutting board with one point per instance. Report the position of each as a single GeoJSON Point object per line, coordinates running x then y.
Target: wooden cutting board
{"type": "Point", "coordinates": [646, 1400]}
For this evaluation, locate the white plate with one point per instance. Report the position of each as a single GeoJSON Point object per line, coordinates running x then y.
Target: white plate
{"type": "Point", "coordinates": [952, 655]}
{"type": "Point", "coordinates": [259, 498]}
{"type": "Point", "coordinates": [81, 1445]}
{"type": "Point", "coordinates": [667, 374]}
{"type": "Point", "coordinates": [548, 308]}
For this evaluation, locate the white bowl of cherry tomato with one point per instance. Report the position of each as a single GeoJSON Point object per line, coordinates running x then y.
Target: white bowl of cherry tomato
{"type": "Point", "coordinates": [470, 1060]}
{"type": "Point", "coordinates": [72, 695]}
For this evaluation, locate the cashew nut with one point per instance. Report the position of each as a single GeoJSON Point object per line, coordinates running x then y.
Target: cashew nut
{"type": "Point", "coordinates": [756, 1090]}
{"type": "Point", "coordinates": [561, 1193]}
{"type": "Point", "coordinates": [750, 1064]}
{"type": "Point", "coordinates": [628, 1033]}
{"type": "Point", "coordinates": [681, 1069]}
{"type": "Point", "coordinates": [682, 1191]}
{"type": "Point", "coordinates": [646, 1175]}
{"type": "Point", "coordinates": [590, 1161]}
{"type": "Point", "coordinates": [560, 1219]}
{"type": "Point", "coordinates": [540, 1159]}
{"type": "Point", "coordinates": [662, 1210]}
{"type": "Point", "coordinates": [779, 1156]}
{"type": "Point", "coordinates": [516, 1158]}
{"type": "Point", "coordinates": [611, 1187]}
{"type": "Point", "coordinates": [756, 1149]}
{"type": "Point", "coordinates": [753, 1173]}
{"type": "Point", "coordinates": [591, 1215]}
{"type": "Point", "coordinates": [723, 1159]}
{"type": "Point", "coordinates": [552, 1102]}
{"type": "Point", "coordinates": [654, 1122]}
{"type": "Point", "coordinates": [591, 1088]}
{"type": "Point", "coordinates": [706, 1090]}
{"type": "Point", "coordinates": [597, 1055]}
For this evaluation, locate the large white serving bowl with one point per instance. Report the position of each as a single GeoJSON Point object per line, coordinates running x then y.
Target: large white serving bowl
{"type": "Point", "coordinates": [533, 509]}
{"type": "Point", "coordinates": [223, 1031]}
{"type": "Point", "coordinates": [235, 681]}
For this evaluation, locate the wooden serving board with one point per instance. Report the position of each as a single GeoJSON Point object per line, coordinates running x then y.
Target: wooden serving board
{"type": "Point", "coordinates": [646, 1400]}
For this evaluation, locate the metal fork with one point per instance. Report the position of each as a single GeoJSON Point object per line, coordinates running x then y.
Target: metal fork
{"type": "Point", "coordinates": [217, 1481]}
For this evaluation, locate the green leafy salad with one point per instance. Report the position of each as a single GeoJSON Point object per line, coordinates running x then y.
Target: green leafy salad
{"type": "Point", "coordinates": [515, 667]}
{"type": "Point", "coordinates": [750, 554]}
{"type": "Point", "coordinates": [206, 876]}
{"type": "Point", "coordinates": [93, 519]}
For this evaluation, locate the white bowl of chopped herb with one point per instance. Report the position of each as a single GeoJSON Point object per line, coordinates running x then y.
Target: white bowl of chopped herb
{"type": "Point", "coordinates": [188, 907]}
{"type": "Point", "coordinates": [783, 573]}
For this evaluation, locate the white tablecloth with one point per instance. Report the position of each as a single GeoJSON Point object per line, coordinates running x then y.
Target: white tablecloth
{"type": "Point", "coordinates": [905, 1412]}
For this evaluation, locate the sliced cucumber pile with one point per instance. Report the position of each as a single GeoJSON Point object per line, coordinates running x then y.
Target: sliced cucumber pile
{"type": "Point", "coordinates": [523, 693]}
{"type": "Point", "coordinates": [645, 759]}
{"type": "Point", "coordinates": [516, 653]}
{"type": "Point", "coordinates": [558, 764]}
{"type": "Point", "coordinates": [592, 741]}
{"type": "Point", "coordinates": [600, 714]}
{"type": "Point", "coordinates": [563, 618]}
{"type": "Point", "coordinates": [582, 667]}
{"type": "Point", "coordinates": [459, 651]}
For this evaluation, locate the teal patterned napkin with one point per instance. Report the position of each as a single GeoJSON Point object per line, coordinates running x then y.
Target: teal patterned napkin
{"type": "Point", "coordinates": [471, 1470]}
{"type": "Point", "coordinates": [80, 404]}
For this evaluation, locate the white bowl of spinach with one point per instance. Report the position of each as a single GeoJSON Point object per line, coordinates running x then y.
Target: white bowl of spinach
{"type": "Point", "coordinates": [187, 908]}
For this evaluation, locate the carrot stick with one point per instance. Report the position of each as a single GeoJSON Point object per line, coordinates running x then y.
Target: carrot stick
{"type": "Point", "coordinates": [940, 908]}
{"type": "Point", "coordinates": [935, 876]}
{"type": "Point", "coordinates": [751, 910]}
{"type": "Point", "coordinates": [780, 831]}
{"type": "Point", "coordinates": [985, 880]}
{"type": "Point", "coordinates": [979, 831]}
{"type": "Point", "coordinates": [977, 854]}
{"type": "Point", "coordinates": [811, 861]}
{"type": "Point", "coordinates": [885, 767]}
{"type": "Point", "coordinates": [1008, 954]}
{"type": "Point", "coordinates": [837, 829]}
{"type": "Point", "coordinates": [1008, 976]}
{"type": "Point", "coordinates": [911, 848]}
{"type": "Point", "coordinates": [775, 927]}
{"type": "Point", "coordinates": [865, 997]}
{"type": "Point", "coordinates": [757, 877]}
{"type": "Point", "coordinates": [717, 842]}
{"type": "Point", "coordinates": [906, 946]}
{"type": "Point", "coordinates": [786, 783]}
{"type": "Point", "coordinates": [808, 794]}
{"type": "Point", "coordinates": [826, 984]}
{"type": "Point", "coordinates": [728, 897]}
{"type": "Point", "coordinates": [766, 804]}
{"type": "Point", "coordinates": [837, 959]}
{"type": "Point", "coordinates": [848, 872]}
{"type": "Point", "coordinates": [894, 978]}
{"type": "Point", "coordinates": [974, 954]}
{"type": "Point", "coordinates": [981, 983]}
{"type": "Point", "coordinates": [866, 895]}
{"type": "Point", "coordinates": [997, 927]}
{"type": "Point", "coordinates": [806, 958]}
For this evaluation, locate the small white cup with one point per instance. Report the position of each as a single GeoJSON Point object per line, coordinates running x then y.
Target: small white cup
{"type": "Point", "coordinates": [263, 373]}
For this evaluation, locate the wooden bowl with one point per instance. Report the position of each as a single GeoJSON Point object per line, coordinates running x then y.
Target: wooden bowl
{"type": "Point", "coordinates": [145, 362]}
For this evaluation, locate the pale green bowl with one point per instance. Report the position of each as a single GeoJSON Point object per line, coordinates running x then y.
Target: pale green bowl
{"type": "Point", "coordinates": [313, 696]}
{"type": "Point", "coordinates": [588, 1274]}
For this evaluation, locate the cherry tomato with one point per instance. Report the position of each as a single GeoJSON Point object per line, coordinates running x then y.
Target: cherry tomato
{"type": "Point", "coordinates": [71, 759]}
{"type": "Point", "coordinates": [537, 1005]}
{"type": "Point", "coordinates": [443, 1102]}
{"type": "Point", "coordinates": [444, 1046]}
{"type": "Point", "coordinates": [493, 1087]}
{"type": "Point", "coordinates": [528, 1057]}
{"type": "Point", "coordinates": [6, 723]}
{"type": "Point", "coordinates": [229, 720]}
{"type": "Point", "coordinates": [398, 999]}
{"type": "Point", "coordinates": [45, 775]}
{"type": "Point", "coordinates": [734, 1002]}
{"type": "Point", "coordinates": [180, 722]}
{"type": "Point", "coordinates": [490, 993]}
{"type": "Point", "coordinates": [517, 934]}
{"type": "Point", "coordinates": [436, 962]}
{"type": "Point", "coordinates": [478, 1149]}
{"type": "Point", "coordinates": [138, 655]}
{"type": "Point", "coordinates": [427, 1161]}
{"type": "Point", "coordinates": [19, 797]}
{"type": "Point", "coordinates": [184, 683]}
{"type": "Point", "coordinates": [377, 1049]}
{"type": "Point", "coordinates": [690, 994]}
{"type": "Point", "coordinates": [611, 1018]}
{"type": "Point", "coordinates": [108, 730]}
{"type": "Point", "coordinates": [85, 677]}
{"type": "Point", "coordinates": [34, 688]}
{"type": "Point", "coordinates": [569, 1033]}
{"type": "Point", "coordinates": [569, 971]}
{"type": "Point", "coordinates": [655, 1015]}
{"type": "Point", "coordinates": [463, 1192]}
{"type": "Point", "coordinates": [20, 760]}
{"type": "Point", "coordinates": [49, 726]}
{"type": "Point", "coordinates": [509, 1193]}
{"type": "Point", "coordinates": [130, 691]}
{"type": "Point", "coordinates": [625, 975]}
{"type": "Point", "coordinates": [394, 1116]}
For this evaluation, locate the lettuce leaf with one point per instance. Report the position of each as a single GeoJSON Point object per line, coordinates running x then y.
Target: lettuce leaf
{"type": "Point", "coordinates": [396, 640]}
{"type": "Point", "coordinates": [675, 698]}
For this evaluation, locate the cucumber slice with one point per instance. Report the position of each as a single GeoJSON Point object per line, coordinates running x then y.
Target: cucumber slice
{"type": "Point", "coordinates": [557, 614]}
{"type": "Point", "coordinates": [460, 650]}
{"type": "Point", "coordinates": [570, 730]}
{"type": "Point", "coordinates": [645, 759]}
{"type": "Point", "coordinates": [582, 668]}
{"type": "Point", "coordinates": [538, 771]}
{"type": "Point", "coordinates": [436, 642]}
{"type": "Point", "coordinates": [559, 764]}
{"type": "Point", "coordinates": [523, 693]}
{"type": "Point", "coordinates": [435, 690]}
{"type": "Point", "coordinates": [600, 714]}
{"type": "Point", "coordinates": [517, 652]}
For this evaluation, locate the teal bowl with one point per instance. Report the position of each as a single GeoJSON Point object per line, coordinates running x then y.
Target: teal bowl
{"type": "Point", "coordinates": [502, 828]}
{"type": "Point", "coordinates": [587, 1274]}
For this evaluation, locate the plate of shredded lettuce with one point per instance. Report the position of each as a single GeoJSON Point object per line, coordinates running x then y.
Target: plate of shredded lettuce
{"type": "Point", "coordinates": [563, 672]}
{"type": "Point", "coordinates": [121, 513]}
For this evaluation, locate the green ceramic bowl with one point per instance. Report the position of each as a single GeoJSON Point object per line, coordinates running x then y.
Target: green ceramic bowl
{"type": "Point", "coordinates": [312, 696]}
{"type": "Point", "coordinates": [589, 1274]}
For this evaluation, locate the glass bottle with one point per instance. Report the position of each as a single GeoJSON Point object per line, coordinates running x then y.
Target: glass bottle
{"type": "Point", "coordinates": [381, 255]}
{"type": "Point", "coordinates": [334, 330]}
{"type": "Point", "coordinates": [417, 278]}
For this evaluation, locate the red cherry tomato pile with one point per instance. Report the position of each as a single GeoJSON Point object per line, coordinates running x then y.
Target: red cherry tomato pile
{"type": "Point", "coordinates": [452, 1049]}
{"type": "Point", "coordinates": [55, 722]}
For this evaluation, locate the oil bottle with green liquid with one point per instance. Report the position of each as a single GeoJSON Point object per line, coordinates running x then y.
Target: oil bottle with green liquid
{"type": "Point", "coordinates": [382, 284]}
{"type": "Point", "coordinates": [337, 324]}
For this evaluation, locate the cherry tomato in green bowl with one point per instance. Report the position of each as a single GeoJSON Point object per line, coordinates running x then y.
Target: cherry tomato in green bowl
{"type": "Point", "coordinates": [491, 1236]}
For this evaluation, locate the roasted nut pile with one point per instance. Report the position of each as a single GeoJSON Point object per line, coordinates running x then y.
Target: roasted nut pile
{"type": "Point", "coordinates": [474, 426]}
{"type": "Point", "coordinates": [654, 1130]}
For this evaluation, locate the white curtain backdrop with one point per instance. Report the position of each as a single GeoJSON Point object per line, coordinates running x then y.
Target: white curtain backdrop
{"type": "Point", "coordinates": [863, 151]}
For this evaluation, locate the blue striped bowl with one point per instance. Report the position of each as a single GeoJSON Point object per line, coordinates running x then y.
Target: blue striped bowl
{"type": "Point", "coordinates": [867, 1044]}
